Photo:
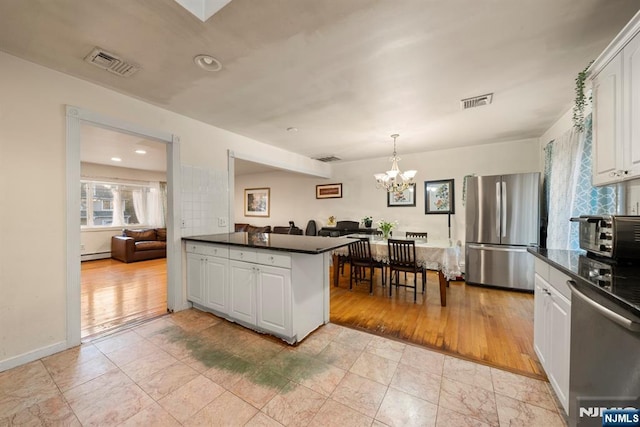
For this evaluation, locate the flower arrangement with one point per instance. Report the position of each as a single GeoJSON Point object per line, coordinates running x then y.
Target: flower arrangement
{"type": "Point", "coordinates": [367, 221]}
{"type": "Point", "coordinates": [332, 220]}
{"type": "Point", "coordinates": [386, 227]}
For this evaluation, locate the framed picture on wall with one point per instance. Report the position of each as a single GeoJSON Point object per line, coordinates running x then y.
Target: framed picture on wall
{"type": "Point", "coordinates": [402, 198]}
{"type": "Point", "coordinates": [256, 202]}
{"type": "Point", "coordinates": [328, 191]}
{"type": "Point", "coordinates": [439, 197]}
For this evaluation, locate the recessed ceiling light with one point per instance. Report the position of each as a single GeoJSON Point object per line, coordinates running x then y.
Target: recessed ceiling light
{"type": "Point", "coordinates": [292, 129]}
{"type": "Point", "coordinates": [116, 159]}
{"type": "Point", "coordinates": [141, 152]}
{"type": "Point", "coordinates": [207, 62]}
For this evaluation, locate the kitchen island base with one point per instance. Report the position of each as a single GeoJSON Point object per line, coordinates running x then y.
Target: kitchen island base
{"type": "Point", "coordinates": [285, 294]}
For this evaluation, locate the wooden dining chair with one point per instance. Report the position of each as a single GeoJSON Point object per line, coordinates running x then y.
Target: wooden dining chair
{"type": "Point", "coordinates": [416, 235]}
{"type": "Point", "coordinates": [402, 257]}
{"type": "Point", "coordinates": [361, 259]}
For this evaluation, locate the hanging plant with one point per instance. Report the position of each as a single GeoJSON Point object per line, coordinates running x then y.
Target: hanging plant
{"type": "Point", "coordinates": [581, 99]}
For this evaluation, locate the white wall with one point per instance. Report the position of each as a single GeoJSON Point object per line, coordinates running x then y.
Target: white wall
{"type": "Point", "coordinates": [33, 191]}
{"type": "Point", "coordinates": [293, 195]}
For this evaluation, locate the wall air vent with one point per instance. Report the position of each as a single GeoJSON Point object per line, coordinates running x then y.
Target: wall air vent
{"type": "Point", "coordinates": [327, 159]}
{"type": "Point", "coordinates": [110, 62]}
{"type": "Point", "coordinates": [476, 101]}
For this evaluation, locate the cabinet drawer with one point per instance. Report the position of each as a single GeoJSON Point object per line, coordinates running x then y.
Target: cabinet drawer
{"type": "Point", "coordinates": [275, 259]}
{"type": "Point", "coordinates": [542, 268]}
{"type": "Point", "coordinates": [558, 280]}
{"type": "Point", "coordinates": [219, 251]}
{"type": "Point", "coordinates": [243, 255]}
{"type": "Point", "coordinates": [205, 249]}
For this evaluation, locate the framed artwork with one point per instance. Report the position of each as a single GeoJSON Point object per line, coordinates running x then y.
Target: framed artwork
{"type": "Point", "coordinates": [328, 191]}
{"type": "Point", "coordinates": [402, 198]}
{"type": "Point", "coordinates": [256, 202]}
{"type": "Point", "coordinates": [439, 197]}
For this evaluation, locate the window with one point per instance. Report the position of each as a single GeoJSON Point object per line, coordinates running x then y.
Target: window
{"type": "Point", "coordinates": [111, 204]}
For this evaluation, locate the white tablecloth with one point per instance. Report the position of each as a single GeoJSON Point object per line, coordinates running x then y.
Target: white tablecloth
{"type": "Point", "coordinates": [442, 255]}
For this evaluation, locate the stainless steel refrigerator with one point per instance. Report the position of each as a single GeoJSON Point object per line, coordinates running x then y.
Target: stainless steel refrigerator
{"type": "Point", "coordinates": [502, 220]}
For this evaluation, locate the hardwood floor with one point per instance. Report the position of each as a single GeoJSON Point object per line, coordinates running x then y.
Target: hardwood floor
{"type": "Point", "coordinates": [489, 326]}
{"type": "Point", "coordinates": [115, 293]}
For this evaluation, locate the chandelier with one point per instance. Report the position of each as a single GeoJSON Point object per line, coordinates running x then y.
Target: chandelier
{"type": "Point", "coordinates": [394, 180]}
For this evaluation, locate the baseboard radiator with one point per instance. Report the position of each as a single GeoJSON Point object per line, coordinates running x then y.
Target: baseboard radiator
{"type": "Point", "coordinates": [98, 255]}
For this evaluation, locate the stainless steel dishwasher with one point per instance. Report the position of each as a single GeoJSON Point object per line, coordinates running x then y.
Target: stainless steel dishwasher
{"type": "Point", "coordinates": [605, 353]}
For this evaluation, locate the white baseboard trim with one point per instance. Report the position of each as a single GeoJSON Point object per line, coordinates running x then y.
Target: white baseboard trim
{"type": "Point", "coordinates": [92, 257]}
{"type": "Point", "coordinates": [32, 355]}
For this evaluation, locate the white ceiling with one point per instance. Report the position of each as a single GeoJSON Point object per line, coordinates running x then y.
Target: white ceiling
{"type": "Point", "coordinates": [346, 73]}
{"type": "Point", "coordinates": [99, 145]}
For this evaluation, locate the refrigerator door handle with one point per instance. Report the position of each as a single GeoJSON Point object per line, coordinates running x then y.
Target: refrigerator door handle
{"type": "Point", "coordinates": [498, 248]}
{"type": "Point", "coordinates": [497, 221]}
{"type": "Point", "coordinates": [503, 210]}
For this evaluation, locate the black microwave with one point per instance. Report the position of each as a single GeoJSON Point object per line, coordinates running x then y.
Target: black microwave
{"type": "Point", "coordinates": [611, 236]}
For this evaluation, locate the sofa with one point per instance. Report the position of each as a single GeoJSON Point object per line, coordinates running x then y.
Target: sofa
{"type": "Point", "coordinates": [252, 228]}
{"type": "Point", "coordinates": [287, 230]}
{"type": "Point", "coordinates": [139, 245]}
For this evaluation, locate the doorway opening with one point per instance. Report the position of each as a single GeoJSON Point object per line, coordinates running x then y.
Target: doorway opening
{"type": "Point", "coordinates": [77, 118]}
{"type": "Point", "coordinates": [123, 197]}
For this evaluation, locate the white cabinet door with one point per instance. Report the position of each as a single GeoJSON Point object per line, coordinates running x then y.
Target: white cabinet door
{"type": "Point", "coordinates": [540, 319]}
{"type": "Point", "coordinates": [607, 123]}
{"type": "Point", "coordinates": [242, 291]}
{"type": "Point", "coordinates": [558, 352]}
{"type": "Point", "coordinates": [195, 278]}
{"type": "Point", "coordinates": [216, 284]}
{"type": "Point", "coordinates": [551, 335]}
{"type": "Point", "coordinates": [274, 299]}
{"type": "Point", "coordinates": [632, 107]}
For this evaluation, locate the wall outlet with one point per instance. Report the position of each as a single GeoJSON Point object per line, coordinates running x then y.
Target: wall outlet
{"type": "Point", "coordinates": [222, 221]}
{"type": "Point", "coordinates": [82, 247]}
{"type": "Point", "coordinates": [184, 224]}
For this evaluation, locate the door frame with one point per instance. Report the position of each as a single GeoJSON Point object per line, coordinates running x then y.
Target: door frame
{"type": "Point", "coordinates": [75, 117]}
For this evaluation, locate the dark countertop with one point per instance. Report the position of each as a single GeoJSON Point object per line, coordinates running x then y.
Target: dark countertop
{"type": "Point", "coordinates": [622, 291]}
{"type": "Point", "coordinates": [275, 242]}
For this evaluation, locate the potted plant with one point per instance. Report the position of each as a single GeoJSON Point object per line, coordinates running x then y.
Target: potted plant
{"type": "Point", "coordinates": [386, 227]}
{"type": "Point", "coordinates": [367, 221]}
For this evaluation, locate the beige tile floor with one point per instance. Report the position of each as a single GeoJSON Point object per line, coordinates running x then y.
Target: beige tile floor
{"type": "Point", "coordinates": [192, 368]}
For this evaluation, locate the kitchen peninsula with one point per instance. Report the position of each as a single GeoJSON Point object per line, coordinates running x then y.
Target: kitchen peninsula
{"type": "Point", "coordinates": [271, 283]}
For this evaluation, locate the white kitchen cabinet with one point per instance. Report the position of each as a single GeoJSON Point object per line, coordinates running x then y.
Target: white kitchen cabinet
{"type": "Point", "coordinates": [552, 327]}
{"type": "Point", "coordinates": [216, 282]}
{"type": "Point", "coordinates": [607, 123]}
{"type": "Point", "coordinates": [282, 293]}
{"type": "Point", "coordinates": [273, 285]}
{"type": "Point", "coordinates": [242, 284]}
{"type": "Point", "coordinates": [207, 276]}
{"type": "Point", "coordinates": [616, 105]}
{"type": "Point", "coordinates": [195, 278]}
{"type": "Point", "coordinates": [261, 294]}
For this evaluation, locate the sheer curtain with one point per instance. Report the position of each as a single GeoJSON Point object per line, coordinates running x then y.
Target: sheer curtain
{"type": "Point", "coordinates": [154, 206]}
{"type": "Point", "coordinates": [567, 187]}
{"type": "Point", "coordinates": [118, 212]}
{"type": "Point", "coordinates": [139, 205]}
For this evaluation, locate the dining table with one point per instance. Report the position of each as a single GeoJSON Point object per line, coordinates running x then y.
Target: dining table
{"type": "Point", "coordinates": [441, 255]}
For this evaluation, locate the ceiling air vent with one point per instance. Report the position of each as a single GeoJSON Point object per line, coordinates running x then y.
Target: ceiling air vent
{"type": "Point", "coordinates": [328, 159]}
{"type": "Point", "coordinates": [110, 62]}
{"type": "Point", "coordinates": [476, 101]}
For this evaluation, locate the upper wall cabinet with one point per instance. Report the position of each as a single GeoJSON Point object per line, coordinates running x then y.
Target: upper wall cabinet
{"type": "Point", "coordinates": [615, 79]}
